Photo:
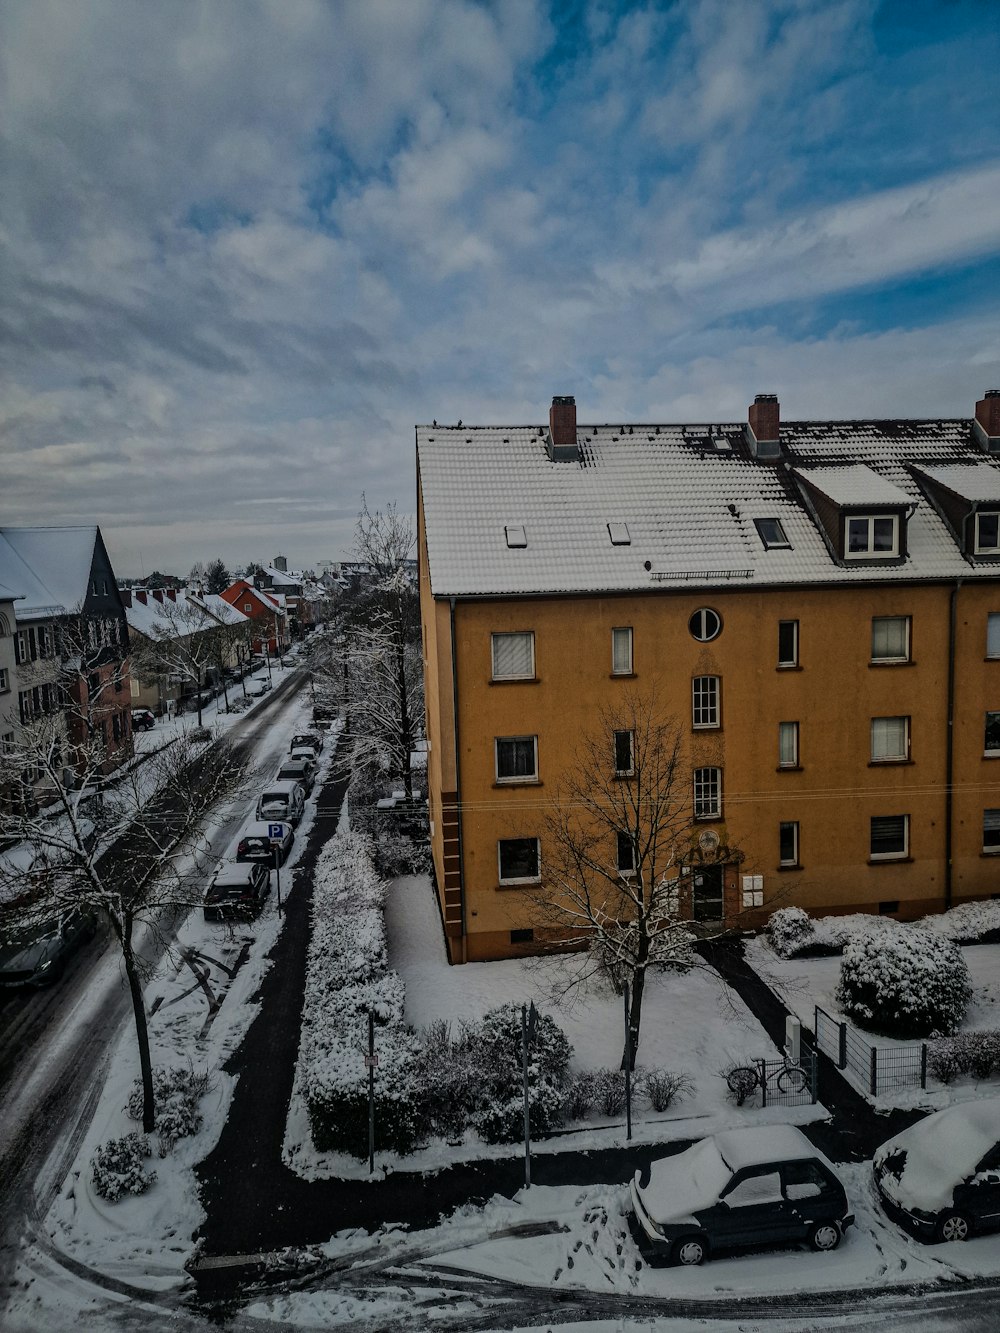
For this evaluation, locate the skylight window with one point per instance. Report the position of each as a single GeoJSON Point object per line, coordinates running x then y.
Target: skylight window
{"type": "Point", "coordinates": [619, 534]}
{"type": "Point", "coordinates": [514, 533]}
{"type": "Point", "coordinates": [772, 534]}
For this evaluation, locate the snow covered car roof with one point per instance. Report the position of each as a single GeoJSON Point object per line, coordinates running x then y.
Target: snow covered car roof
{"type": "Point", "coordinates": [940, 1151]}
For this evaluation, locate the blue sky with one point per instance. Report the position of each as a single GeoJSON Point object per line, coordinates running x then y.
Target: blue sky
{"type": "Point", "coordinates": [246, 244]}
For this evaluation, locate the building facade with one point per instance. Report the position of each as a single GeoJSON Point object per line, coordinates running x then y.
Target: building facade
{"type": "Point", "coordinates": [817, 604]}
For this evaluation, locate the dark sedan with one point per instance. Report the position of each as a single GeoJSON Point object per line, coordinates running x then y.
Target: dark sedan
{"type": "Point", "coordinates": [37, 955]}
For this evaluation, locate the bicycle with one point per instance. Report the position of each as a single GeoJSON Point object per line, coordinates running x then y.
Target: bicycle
{"type": "Point", "coordinates": [744, 1080]}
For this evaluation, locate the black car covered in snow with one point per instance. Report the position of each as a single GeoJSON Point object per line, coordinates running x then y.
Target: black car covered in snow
{"type": "Point", "coordinates": [743, 1189]}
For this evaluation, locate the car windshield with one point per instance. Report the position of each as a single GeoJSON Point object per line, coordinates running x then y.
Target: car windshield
{"type": "Point", "coordinates": [23, 936]}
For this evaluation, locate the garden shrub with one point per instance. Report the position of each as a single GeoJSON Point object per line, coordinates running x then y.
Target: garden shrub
{"type": "Point", "coordinates": [609, 1091]}
{"type": "Point", "coordinates": [578, 1099]}
{"type": "Point", "coordinates": [176, 1094]}
{"type": "Point", "coordinates": [663, 1088]}
{"type": "Point", "coordinates": [789, 930]}
{"type": "Point", "coordinates": [118, 1169]}
{"type": "Point", "coordinates": [904, 983]}
{"type": "Point", "coordinates": [974, 1053]}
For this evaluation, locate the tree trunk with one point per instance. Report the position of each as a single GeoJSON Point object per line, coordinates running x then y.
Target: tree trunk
{"type": "Point", "coordinates": [141, 1031]}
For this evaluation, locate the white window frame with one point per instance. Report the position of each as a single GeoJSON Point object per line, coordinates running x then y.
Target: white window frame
{"type": "Point", "coordinates": [788, 745]}
{"type": "Point", "coordinates": [517, 777]}
{"type": "Point", "coordinates": [624, 772]}
{"type": "Point", "coordinates": [993, 634]}
{"type": "Point", "coordinates": [881, 733]}
{"type": "Point", "coordinates": [706, 698]}
{"type": "Point", "coordinates": [890, 856]}
{"type": "Point", "coordinates": [869, 552]}
{"type": "Point", "coordinates": [495, 640]}
{"type": "Point", "coordinates": [707, 793]}
{"type": "Point", "coordinates": [792, 661]}
{"type": "Point", "coordinates": [792, 824]}
{"type": "Point", "coordinates": [519, 879]}
{"type": "Point", "coordinates": [621, 650]}
{"type": "Point", "coordinates": [703, 618]}
{"type": "Point", "coordinates": [981, 548]}
{"type": "Point", "coordinates": [888, 621]}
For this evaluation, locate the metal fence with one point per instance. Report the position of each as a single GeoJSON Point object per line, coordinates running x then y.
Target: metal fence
{"type": "Point", "coordinates": [872, 1069]}
{"type": "Point", "coordinates": [779, 1083]}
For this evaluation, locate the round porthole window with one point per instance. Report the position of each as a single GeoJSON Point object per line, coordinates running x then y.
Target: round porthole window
{"type": "Point", "coordinates": [705, 624]}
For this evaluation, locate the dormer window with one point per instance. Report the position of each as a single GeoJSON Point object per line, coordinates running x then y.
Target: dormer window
{"type": "Point", "coordinates": [872, 537]}
{"type": "Point", "coordinates": [772, 534]}
{"type": "Point", "coordinates": [988, 533]}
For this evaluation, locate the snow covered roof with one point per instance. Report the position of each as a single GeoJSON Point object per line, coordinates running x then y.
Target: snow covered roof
{"type": "Point", "coordinates": [975, 482]}
{"type": "Point", "coordinates": [48, 567]}
{"type": "Point", "coordinates": [654, 504]}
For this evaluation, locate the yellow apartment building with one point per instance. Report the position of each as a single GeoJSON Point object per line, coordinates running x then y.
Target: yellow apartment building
{"type": "Point", "coordinates": [817, 603]}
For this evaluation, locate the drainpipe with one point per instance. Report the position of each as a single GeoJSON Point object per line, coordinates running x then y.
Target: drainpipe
{"type": "Point", "coordinates": [458, 780]}
{"type": "Point", "coordinates": [950, 750]}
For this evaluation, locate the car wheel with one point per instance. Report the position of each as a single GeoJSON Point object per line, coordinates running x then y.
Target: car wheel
{"type": "Point", "coordinates": [824, 1236]}
{"type": "Point", "coordinates": [953, 1226]}
{"type": "Point", "coordinates": [691, 1250]}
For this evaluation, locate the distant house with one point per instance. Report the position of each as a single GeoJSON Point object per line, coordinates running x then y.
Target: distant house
{"type": "Point", "coordinates": [267, 612]}
{"type": "Point", "coordinates": [69, 639]}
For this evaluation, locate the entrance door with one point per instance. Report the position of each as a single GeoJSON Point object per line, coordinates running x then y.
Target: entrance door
{"type": "Point", "coordinates": [706, 893]}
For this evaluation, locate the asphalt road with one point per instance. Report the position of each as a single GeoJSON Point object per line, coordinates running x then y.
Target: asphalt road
{"type": "Point", "coordinates": [55, 1042]}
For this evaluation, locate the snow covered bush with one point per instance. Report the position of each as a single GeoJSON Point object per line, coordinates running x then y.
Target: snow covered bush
{"type": "Point", "coordinates": [118, 1169]}
{"type": "Point", "coordinates": [789, 931]}
{"type": "Point", "coordinates": [446, 1080]}
{"type": "Point", "coordinates": [609, 1091]}
{"type": "Point", "coordinates": [578, 1098]}
{"type": "Point", "coordinates": [499, 1110]}
{"type": "Point", "coordinates": [664, 1088]}
{"type": "Point", "coordinates": [348, 976]}
{"type": "Point", "coordinates": [974, 1053]}
{"type": "Point", "coordinates": [176, 1094]}
{"type": "Point", "coordinates": [904, 983]}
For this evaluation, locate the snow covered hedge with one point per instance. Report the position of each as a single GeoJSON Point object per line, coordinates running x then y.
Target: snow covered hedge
{"type": "Point", "coordinates": [904, 983]}
{"type": "Point", "coordinates": [976, 1054]}
{"type": "Point", "coordinates": [348, 974]}
{"type": "Point", "coordinates": [791, 932]}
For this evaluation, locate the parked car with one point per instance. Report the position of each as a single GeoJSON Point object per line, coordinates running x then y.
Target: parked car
{"type": "Point", "coordinates": [237, 889]}
{"type": "Point", "coordinates": [142, 719]}
{"type": "Point", "coordinates": [738, 1190]}
{"type": "Point", "coordinates": [257, 686]}
{"type": "Point", "coordinates": [301, 771]}
{"type": "Point", "coordinates": [306, 738]}
{"type": "Point", "coordinates": [281, 800]}
{"type": "Point", "coordinates": [941, 1177]}
{"type": "Point", "coordinates": [38, 954]}
{"type": "Point", "coordinates": [254, 842]}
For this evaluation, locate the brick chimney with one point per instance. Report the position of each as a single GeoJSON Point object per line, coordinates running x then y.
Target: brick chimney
{"type": "Point", "coordinates": [141, 596]}
{"type": "Point", "coordinates": [986, 426]}
{"type": "Point", "coordinates": [561, 444]}
{"type": "Point", "coordinates": [764, 431]}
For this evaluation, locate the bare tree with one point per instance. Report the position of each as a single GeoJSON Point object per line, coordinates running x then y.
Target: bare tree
{"type": "Point", "coordinates": [623, 852]}
{"type": "Point", "coordinates": [117, 849]}
{"type": "Point", "coordinates": [381, 631]}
